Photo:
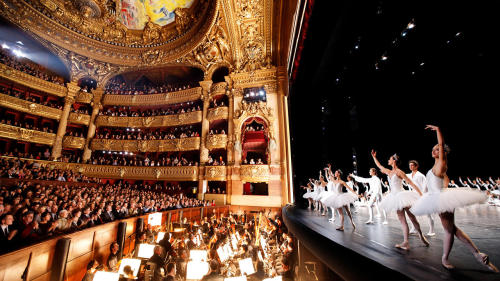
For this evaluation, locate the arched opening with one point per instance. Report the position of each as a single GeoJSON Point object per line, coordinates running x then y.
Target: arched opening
{"type": "Point", "coordinates": [254, 142]}
{"type": "Point", "coordinates": [219, 74]}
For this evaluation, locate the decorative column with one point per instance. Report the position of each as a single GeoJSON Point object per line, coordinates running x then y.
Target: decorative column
{"type": "Point", "coordinates": [205, 97]}
{"type": "Point", "coordinates": [230, 138]}
{"type": "Point", "coordinates": [96, 106]}
{"type": "Point", "coordinates": [284, 136]}
{"type": "Point", "coordinates": [72, 90]}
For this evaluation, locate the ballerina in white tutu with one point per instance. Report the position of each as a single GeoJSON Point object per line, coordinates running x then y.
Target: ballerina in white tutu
{"type": "Point", "coordinates": [308, 194]}
{"type": "Point", "coordinates": [399, 199]}
{"type": "Point", "coordinates": [320, 189]}
{"type": "Point", "coordinates": [439, 199]}
{"type": "Point", "coordinates": [374, 194]}
{"type": "Point", "coordinates": [329, 193]}
{"type": "Point", "coordinates": [341, 200]}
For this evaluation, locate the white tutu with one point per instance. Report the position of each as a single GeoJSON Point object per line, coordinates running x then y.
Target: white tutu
{"type": "Point", "coordinates": [317, 195]}
{"type": "Point", "coordinates": [447, 201]}
{"type": "Point", "coordinates": [344, 199]}
{"type": "Point", "coordinates": [399, 200]}
{"type": "Point", "coordinates": [326, 196]}
{"type": "Point", "coordinates": [308, 194]}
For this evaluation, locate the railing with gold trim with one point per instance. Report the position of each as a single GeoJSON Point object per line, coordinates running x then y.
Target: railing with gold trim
{"type": "Point", "coordinates": [73, 142]}
{"type": "Point", "coordinates": [217, 113]}
{"type": "Point", "coordinates": [151, 121]}
{"type": "Point", "coordinates": [218, 88]}
{"type": "Point", "coordinates": [29, 107]}
{"type": "Point", "coordinates": [17, 133]}
{"type": "Point", "coordinates": [84, 97]}
{"type": "Point", "coordinates": [153, 99]}
{"type": "Point", "coordinates": [216, 141]}
{"type": "Point", "coordinates": [254, 173]}
{"type": "Point", "coordinates": [78, 118]}
{"type": "Point", "coordinates": [30, 81]}
{"type": "Point", "coordinates": [180, 173]}
{"type": "Point", "coordinates": [184, 144]}
{"type": "Point", "coordinates": [215, 173]}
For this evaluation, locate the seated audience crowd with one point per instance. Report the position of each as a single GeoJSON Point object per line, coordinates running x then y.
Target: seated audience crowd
{"type": "Point", "coordinates": [130, 159]}
{"type": "Point", "coordinates": [115, 87]}
{"type": "Point", "coordinates": [128, 111]}
{"type": "Point", "coordinates": [27, 125]}
{"type": "Point", "coordinates": [149, 134]}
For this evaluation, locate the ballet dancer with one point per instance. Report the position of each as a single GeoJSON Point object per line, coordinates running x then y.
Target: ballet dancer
{"type": "Point", "coordinates": [343, 200]}
{"type": "Point", "coordinates": [375, 194]}
{"type": "Point", "coordinates": [399, 199]}
{"type": "Point", "coordinates": [419, 179]}
{"type": "Point", "coordinates": [320, 184]}
{"type": "Point", "coordinates": [329, 192]}
{"type": "Point", "coordinates": [353, 186]}
{"type": "Point", "coordinates": [444, 201]}
{"type": "Point", "coordinates": [308, 194]}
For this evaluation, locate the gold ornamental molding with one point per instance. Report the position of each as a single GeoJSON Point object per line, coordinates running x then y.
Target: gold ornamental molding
{"type": "Point", "coordinates": [151, 121]}
{"type": "Point", "coordinates": [217, 113]}
{"type": "Point", "coordinates": [153, 99]}
{"type": "Point", "coordinates": [267, 77]}
{"type": "Point", "coordinates": [30, 107]}
{"type": "Point", "coordinates": [30, 81]}
{"type": "Point", "coordinates": [96, 33]}
{"type": "Point", "coordinates": [78, 118]}
{"type": "Point", "coordinates": [185, 144]}
{"type": "Point", "coordinates": [254, 173]}
{"type": "Point", "coordinates": [218, 89]}
{"type": "Point", "coordinates": [73, 142]}
{"type": "Point", "coordinates": [215, 173]}
{"type": "Point", "coordinates": [21, 134]}
{"type": "Point", "coordinates": [84, 97]}
{"type": "Point", "coordinates": [216, 141]}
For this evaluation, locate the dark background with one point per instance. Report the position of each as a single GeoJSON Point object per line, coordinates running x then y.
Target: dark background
{"type": "Point", "coordinates": [340, 103]}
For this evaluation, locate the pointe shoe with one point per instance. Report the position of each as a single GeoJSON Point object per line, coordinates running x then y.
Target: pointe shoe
{"type": "Point", "coordinates": [424, 240]}
{"type": "Point", "coordinates": [369, 222]}
{"type": "Point", "coordinates": [385, 222]}
{"type": "Point", "coordinates": [340, 228]}
{"type": "Point", "coordinates": [403, 246]}
{"type": "Point", "coordinates": [431, 234]}
{"type": "Point", "coordinates": [485, 260]}
{"type": "Point", "coordinates": [447, 266]}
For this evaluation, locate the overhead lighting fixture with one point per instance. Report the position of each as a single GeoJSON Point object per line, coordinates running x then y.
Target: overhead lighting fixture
{"type": "Point", "coordinates": [5, 46]}
{"type": "Point", "coordinates": [411, 24]}
{"type": "Point", "coordinates": [18, 53]}
{"type": "Point", "coordinates": [384, 57]}
{"type": "Point", "coordinates": [20, 43]}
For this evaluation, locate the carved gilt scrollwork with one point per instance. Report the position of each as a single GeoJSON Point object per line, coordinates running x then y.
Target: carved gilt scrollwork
{"type": "Point", "coordinates": [73, 142]}
{"type": "Point", "coordinates": [216, 141]}
{"type": "Point", "coordinates": [254, 173]}
{"type": "Point", "coordinates": [16, 133]}
{"type": "Point", "coordinates": [151, 121]}
{"type": "Point", "coordinates": [217, 113]}
{"type": "Point", "coordinates": [215, 173]}
{"type": "Point", "coordinates": [185, 144]}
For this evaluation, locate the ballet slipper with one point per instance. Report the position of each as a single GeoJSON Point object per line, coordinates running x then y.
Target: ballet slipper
{"type": "Point", "coordinates": [431, 234]}
{"type": "Point", "coordinates": [340, 228]}
{"type": "Point", "coordinates": [369, 222]}
{"type": "Point", "coordinates": [424, 240]}
{"type": "Point", "coordinates": [404, 246]}
{"type": "Point", "coordinates": [447, 265]}
{"type": "Point", "coordinates": [385, 222]}
{"type": "Point", "coordinates": [485, 260]}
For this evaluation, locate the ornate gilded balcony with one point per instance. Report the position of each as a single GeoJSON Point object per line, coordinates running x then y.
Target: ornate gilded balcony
{"type": "Point", "coordinates": [254, 173]}
{"type": "Point", "coordinates": [84, 97]}
{"type": "Point", "coordinates": [218, 89]}
{"type": "Point", "coordinates": [78, 118]}
{"type": "Point", "coordinates": [30, 107]}
{"type": "Point", "coordinates": [216, 141]}
{"type": "Point", "coordinates": [21, 134]}
{"type": "Point", "coordinates": [30, 81]}
{"type": "Point", "coordinates": [152, 121]}
{"type": "Point", "coordinates": [153, 99]}
{"type": "Point", "coordinates": [215, 173]}
{"type": "Point", "coordinates": [217, 113]}
{"type": "Point", "coordinates": [73, 142]}
{"type": "Point", "coordinates": [184, 144]}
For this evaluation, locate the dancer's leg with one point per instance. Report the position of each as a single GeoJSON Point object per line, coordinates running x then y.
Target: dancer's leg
{"type": "Point", "coordinates": [350, 216]}
{"type": "Point", "coordinates": [341, 227]}
{"type": "Point", "coordinates": [447, 220]}
{"type": "Point", "coordinates": [370, 212]}
{"type": "Point", "coordinates": [416, 225]}
{"type": "Point", "coordinates": [402, 219]}
{"type": "Point", "coordinates": [431, 226]}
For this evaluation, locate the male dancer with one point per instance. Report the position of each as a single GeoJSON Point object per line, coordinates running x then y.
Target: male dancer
{"type": "Point", "coordinates": [419, 179]}
{"type": "Point", "coordinates": [375, 193]}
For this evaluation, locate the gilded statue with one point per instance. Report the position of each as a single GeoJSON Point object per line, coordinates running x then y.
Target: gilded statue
{"type": "Point", "coordinates": [151, 33]}
{"type": "Point", "coordinates": [182, 20]}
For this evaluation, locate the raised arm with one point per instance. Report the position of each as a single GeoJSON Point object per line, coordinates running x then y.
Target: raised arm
{"type": "Point", "coordinates": [409, 181]}
{"type": "Point", "coordinates": [382, 168]}
{"type": "Point", "coordinates": [360, 179]}
{"type": "Point", "coordinates": [441, 165]}
{"type": "Point", "coordinates": [347, 186]}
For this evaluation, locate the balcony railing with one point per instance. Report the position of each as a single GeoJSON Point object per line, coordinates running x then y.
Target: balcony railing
{"type": "Point", "coordinates": [78, 118]}
{"type": "Point", "coordinates": [217, 113]}
{"type": "Point", "coordinates": [22, 134]}
{"type": "Point", "coordinates": [215, 173]}
{"type": "Point", "coordinates": [30, 81]}
{"type": "Point", "coordinates": [184, 144]}
{"type": "Point", "coordinates": [153, 99]}
{"type": "Point", "coordinates": [151, 121]}
{"type": "Point", "coordinates": [29, 107]}
{"type": "Point", "coordinates": [216, 141]}
{"type": "Point", "coordinates": [73, 142]}
{"type": "Point", "coordinates": [254, 173]}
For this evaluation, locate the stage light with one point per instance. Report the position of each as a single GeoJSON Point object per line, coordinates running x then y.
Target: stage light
{"type": "Point", "coordinates": [237, 278]}
{"type": "Point", "coordinates": [458, 34]}
{"type": "Point", "coordinates": [106, 276]}
{"type": "Point", "coordinates": [160, 236]}
{"type": "Point", "coordinates": [154, 219]}
{"type": "Point", "coordinates": [403, 34]}
{"type": "Point", "coordinates": [134, 264]}
{"type": "Point", "coordinates": [5, 46]}
{"type": "Point", "coordinates": [356, 47]}
{"type": "Point", "coordinates": [384, 57]}
{"type": "Point", "coordinates": [20, 43]}
{"type": "Point", "coordinates": [145, 251]}
{"type": "Point", "coordinates": [246, 266]}
{"type": "Point", "coordinates": [422, 63]}
{"type": "Point", "coordinates": [198, 255]}
{"type": "Point", "coordinates": [18, 53]}
{"type": "Point", "coordinates": [411, 24]}
{"type": "Point", "coordinates": [196, 270]}
{"type": "Point", "coordinates": [121, 152]}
